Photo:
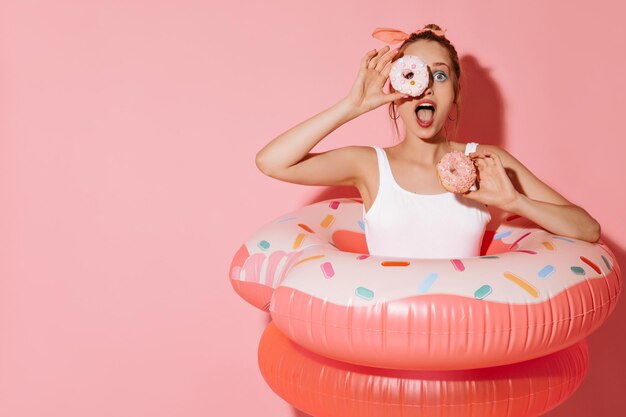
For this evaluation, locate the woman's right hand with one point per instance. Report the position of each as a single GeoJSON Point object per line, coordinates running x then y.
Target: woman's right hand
{"type": "Point", "coordinates": [367, 92]}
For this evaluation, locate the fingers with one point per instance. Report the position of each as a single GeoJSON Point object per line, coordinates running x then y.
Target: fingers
{"type": "Point", "coordinates": [488, 163]}
{"type": "Point", "coordinates": [369, 57]}
{"type": "Point", "coordinates": [389, 63]}
{"type": "Point", "coordinates": [480, 163]}
{"type": "Point", "coordinates": [397, 96]}
{"type": "Point", "coordinates": [366, 58]}
{"type": "Point", "coordinates": [484, 158]}
{"type": "Point", "coordinates": [386, 61]}
{"type": "Point", "coordinates": [383, 56]}
{"type": "Point", "coordinates": [480, 154]}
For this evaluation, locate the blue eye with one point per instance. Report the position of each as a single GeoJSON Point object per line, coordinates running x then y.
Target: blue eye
{"type": "Point", "coordinates": [440, 72]}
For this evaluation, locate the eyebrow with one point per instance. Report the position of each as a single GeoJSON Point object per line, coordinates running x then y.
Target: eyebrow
{"type": "Point", "coordinates": [440, 63]}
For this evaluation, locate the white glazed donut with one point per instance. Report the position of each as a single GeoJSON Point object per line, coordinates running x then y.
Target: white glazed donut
{"type": "Point", "coordinates": [409, 75]}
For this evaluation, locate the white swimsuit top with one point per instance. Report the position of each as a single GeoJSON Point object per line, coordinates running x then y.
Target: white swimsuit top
{"type": "Point", "coordinates": [404, 224]}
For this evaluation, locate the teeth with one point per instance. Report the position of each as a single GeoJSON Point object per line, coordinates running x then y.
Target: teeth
{"type": "Point", "coordinates": [425, 106]}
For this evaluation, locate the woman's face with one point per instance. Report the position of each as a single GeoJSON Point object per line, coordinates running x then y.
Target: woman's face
{"type": "Point", "coordinates": [440, 89]}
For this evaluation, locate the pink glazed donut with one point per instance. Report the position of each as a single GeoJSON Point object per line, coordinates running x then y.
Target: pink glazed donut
{"type": "Point", "coordinates": [409, 75]}
{"type": "Point", "coordinates": [457, 172]}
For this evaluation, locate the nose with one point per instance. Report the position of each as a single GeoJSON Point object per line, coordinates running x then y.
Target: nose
{"type": "Point", "coordinates": [429, 87]}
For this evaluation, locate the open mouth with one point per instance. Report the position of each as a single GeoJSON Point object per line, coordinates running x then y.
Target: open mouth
{"type": "Point", "coordinates": [425, 113]}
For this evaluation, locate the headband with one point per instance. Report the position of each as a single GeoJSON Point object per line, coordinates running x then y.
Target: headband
{"type": "Point", "coordinates": [394, 35]}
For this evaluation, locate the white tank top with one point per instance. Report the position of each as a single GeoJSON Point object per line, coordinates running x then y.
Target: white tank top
{"type": "Point", "coordinates": [404, 224]}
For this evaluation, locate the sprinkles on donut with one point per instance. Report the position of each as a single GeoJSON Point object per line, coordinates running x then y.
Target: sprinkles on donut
{"type": "Point", "coordinates": [456, 172]}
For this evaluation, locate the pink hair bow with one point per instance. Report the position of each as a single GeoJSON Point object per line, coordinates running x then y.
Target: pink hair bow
{"type": "Point", "coordinates": [394, 35]}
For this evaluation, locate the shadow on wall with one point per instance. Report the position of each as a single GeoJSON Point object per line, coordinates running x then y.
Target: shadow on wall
{"type": "Point", "coordinates": [482, 105]}
{"type": "Point", "coordinates": [482, 121]}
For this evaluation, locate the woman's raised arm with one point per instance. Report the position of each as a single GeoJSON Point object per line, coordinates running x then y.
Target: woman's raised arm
{"type": "Point", "coordinates": [287, 157]}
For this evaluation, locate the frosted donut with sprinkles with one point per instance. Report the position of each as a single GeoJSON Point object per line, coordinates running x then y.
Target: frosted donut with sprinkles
{"type": "Point", "coordinates": [409, 75]}
{"type": "Point", "coordinates": [529, 294]}
{"type": "Point", "coordinates": [456, 172]}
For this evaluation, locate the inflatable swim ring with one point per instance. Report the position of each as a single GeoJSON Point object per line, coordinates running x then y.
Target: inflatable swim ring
{"type": "Point", "coordinates": [531, 293]}
{"type": "Point", "coordinates": [323, 387]}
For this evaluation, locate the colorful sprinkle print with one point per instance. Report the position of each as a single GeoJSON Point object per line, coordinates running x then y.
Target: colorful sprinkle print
{"type": "Point", "coordinates": [307, 228]}
{"type": "Point", "coordinates": [328, 220]}
{"type": "Point", "coordinates": [502, 235]}
{"type": "Point", "coordinates": [522, 284]}
{"type": "Point", "coordinates": [548, 245]}
{"type": "Point", "coordinates": [427, 282]}
{"type": "Point", "coordinates": [591, 264]}
{"type": "Point", "coordinates": [284, 220]}
{"type": "Point", "coordinates": [545, 272]}
{"type": "Point", "coordinates": [482, 292]}
{"type": "Point", "coordinates": [364, 293]}
{"type": "Point", "coordinates": [264, 245]}
{"type": "Point", "coordinates": [577, 270]}
{"type": "Point", "coordinates": [457, 264]}
{"type": "Point", "coordinates": [606, 262]}
{"type": "Point", "coordinates": [395, 263]}
{"type": "Point", "coordinates": [514, 245]}
{"type": "Point", "coordinates": [563, 238]}
{"type": "Point", "coordinates": [298, 242]}
{"type": "Point", "coordinates": [308, 259]}
{"type": "Point", "coordinates": [327, 270]}
{"type": "Point", "coordinates": [334, 205]}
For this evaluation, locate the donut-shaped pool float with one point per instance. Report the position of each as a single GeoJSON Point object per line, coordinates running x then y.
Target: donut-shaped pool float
{"type": "Point", "coordinates": [323, 387]}
{"type": "Point", "coordinates": [531, 293]}
{"type": "Point", "coordinates": [409, 75]}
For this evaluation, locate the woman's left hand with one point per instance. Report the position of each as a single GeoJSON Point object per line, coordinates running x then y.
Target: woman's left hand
{"type": "Point", "coordinates": [494, 186]}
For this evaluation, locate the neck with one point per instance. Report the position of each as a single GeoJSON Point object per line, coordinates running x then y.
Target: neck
{"type": "Point", "coordinates": [425, 152]}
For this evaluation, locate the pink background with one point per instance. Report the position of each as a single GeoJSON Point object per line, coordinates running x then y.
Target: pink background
{"type": "Point", "coordinates": [127, 144]}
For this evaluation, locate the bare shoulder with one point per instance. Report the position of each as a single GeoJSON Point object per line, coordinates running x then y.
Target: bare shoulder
{"type": "Point", "coordinates": [350, 153]}
{"type": "Point", "coordinates": [360, 154]}
{"type": "Point", "coordinates": [489, 148]}
{"type": "Point", "coordinates": [365, 156]}
{"type": "Point", "coordinates": [360, 158]}
{"type": "Point", "coordinates": [367, 179]}
{"type": "Point", "coordinates": [523, 179]}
